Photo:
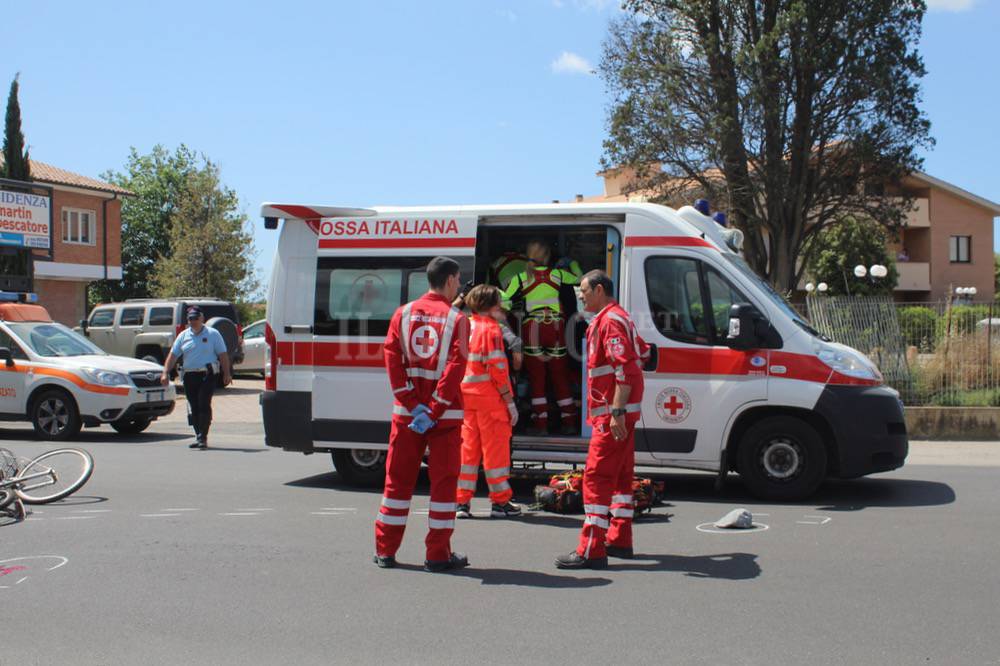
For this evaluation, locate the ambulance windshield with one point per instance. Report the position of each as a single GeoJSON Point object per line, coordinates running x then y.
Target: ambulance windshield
{"type": "Point", "coordinates": [769, 291]}
{"type": "Point", "coordinates": [51, 339]}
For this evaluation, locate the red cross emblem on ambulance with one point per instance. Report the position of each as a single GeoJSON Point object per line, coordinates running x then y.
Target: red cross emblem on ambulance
{"type": "Point", "coordinates": [673, 404]}
{"type": "Point", "coordinates": [424, 341]}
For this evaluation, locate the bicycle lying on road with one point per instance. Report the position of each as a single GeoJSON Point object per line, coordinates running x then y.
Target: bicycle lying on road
{"type": "Point", "coordinates": [50, 477]}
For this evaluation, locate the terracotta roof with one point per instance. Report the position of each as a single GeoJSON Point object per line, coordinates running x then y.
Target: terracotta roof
{"type": "Point", "coordinates": [46, 173]}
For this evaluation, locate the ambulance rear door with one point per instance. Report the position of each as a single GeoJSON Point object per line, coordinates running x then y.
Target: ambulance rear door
{"type": "Point", "coordinates": [680, 299]}
{"type": "Point", "coordinates": [366, 268]}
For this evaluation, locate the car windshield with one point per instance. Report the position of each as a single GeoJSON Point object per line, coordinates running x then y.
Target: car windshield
{"type": "Point", "coordinates": [772, 295]}
{"type": "Point", "coordinates": [52, 339]}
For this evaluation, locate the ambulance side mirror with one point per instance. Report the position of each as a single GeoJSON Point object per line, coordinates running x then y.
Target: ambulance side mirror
{"type": "Point", "coordinates": [749, 329]}
{"type": "Point", "coordinates": [83, 326]}
{"type": "Point", "coordinates": [6, 357]}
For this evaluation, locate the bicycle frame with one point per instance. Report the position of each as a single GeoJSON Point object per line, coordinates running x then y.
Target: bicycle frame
{"type": "Point", "coordinates": [18, 481]}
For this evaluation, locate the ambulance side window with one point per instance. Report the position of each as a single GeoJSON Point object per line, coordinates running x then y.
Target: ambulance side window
{"type": "Point", "coordinates": [358, 296]}
{"type": "Point", "coordinates": [673, 286]}
{"type": "Point", "coordinates": [15, 349]}
{"type": "Point", "coordinates": [721, 296]}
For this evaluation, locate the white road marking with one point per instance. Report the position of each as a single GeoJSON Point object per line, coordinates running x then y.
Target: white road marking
{"type": "Point", "coordinates": [21, 581]}
{"type": "Point", "coordinates": [339, 508]}
{"type": "Point", "coordinates": [823, 520]}
{"type": "Point", "coordinates": [327, 513]}
{"type": "Point", "coordinates": [157, 515]}
{"type": "Point", "coordinates": [93, 511]}
{"type": "Point", "coordinates": [255, 509]}
{"type": "Point", "coordinates": [180, 509]}
{"type": "Point", "coordinates": [74, 517]}
{"type": "Point", "coordinates": [710, 528]}
{"type": "Point", "coordinates": [238, 513]}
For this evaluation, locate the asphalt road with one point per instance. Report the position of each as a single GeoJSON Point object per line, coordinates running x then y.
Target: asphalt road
{"type": "Point", "coordinates": [243, 555]}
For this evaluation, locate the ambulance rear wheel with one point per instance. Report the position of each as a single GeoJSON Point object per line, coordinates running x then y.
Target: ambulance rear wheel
{"type": "Point", "coordinates": [782, 458]}
{"type": "Point", "coordinates": [360, 467]}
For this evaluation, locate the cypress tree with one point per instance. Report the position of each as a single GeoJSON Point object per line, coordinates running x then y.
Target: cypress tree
{"type": "Point", "coordinates": [15, 155]}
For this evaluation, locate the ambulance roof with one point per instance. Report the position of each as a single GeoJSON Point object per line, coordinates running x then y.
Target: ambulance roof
{"type": "Point", "coordinates": [23, 312]}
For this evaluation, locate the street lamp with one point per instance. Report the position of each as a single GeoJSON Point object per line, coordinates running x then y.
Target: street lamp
{"type": "Point", "coordinates": [822, 287]}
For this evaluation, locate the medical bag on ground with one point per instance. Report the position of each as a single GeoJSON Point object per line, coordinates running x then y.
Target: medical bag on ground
{"type": "Point", "coordinates": [564, 494]}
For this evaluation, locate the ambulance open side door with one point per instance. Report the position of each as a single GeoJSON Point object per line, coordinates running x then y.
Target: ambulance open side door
{"type": "Point", "coordinates": [680, 301]}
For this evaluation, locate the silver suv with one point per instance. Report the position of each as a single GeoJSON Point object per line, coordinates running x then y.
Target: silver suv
{"type": "Point", "coordinates": [145, 327]}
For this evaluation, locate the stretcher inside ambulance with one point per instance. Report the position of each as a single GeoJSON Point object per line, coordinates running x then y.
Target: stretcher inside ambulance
{"type": "Point", "coordinates": [60, 381]}
{"type": "Point", "coordinates": [737, 379]}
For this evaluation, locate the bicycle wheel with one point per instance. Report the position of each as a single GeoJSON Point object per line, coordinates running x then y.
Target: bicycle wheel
{"type": "Point", "coordinates": [70, 469]}
{"type": "Point", "coordinates": [6, 497]}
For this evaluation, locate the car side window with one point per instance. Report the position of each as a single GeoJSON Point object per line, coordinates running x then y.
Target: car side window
{"type": "Point", "coordinates": [102, 318]}
{"type": "Point", "coordinates": [161, 316]}
{"type": "Point", "coordinates": [132, 316]}
{"type": "Point", "coordinates": [255, 331]}
{"type": "Point", "coordinates": [673, 287]}
{"type": "Point", "coordinates": [15, 349]}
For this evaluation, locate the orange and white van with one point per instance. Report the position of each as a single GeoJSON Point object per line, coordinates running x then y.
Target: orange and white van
{"type": "Point", "coordinates": [738, 380]}
{"type": "Point", "coordinates": [60, 381]}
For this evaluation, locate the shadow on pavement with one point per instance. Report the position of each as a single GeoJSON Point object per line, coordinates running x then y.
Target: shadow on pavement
{"type": "Point", "coordinates": [833, 495]}
{"type": "Point", "coordinates": [332, 481]}
{"type": "Point", "coordinates": [79, 500]}
{"type": "Point", "coordinates": [729, 566]}
{"type": "Point", "coordinates": [237, 449]}
{"type": "Point", "coordinates": [528, 578]}
{"type": "Point", "coordinates": [111, 437]}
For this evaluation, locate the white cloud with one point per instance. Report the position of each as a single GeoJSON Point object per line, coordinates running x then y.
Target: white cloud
{"type": "Point", "coordinates": [950, 5]}
{"type": "Point", "coordinates": [570, 63]}
{"type": "Point", "coordinates": [507, 14]}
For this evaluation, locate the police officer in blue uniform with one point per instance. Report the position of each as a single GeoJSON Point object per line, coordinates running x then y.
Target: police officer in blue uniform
{"type": "Point", "coordinates": [204, 354]}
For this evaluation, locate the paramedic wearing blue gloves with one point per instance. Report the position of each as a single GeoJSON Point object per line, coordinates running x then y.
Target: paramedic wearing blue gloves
{"type": "Point", "coordinates": [204, 354]}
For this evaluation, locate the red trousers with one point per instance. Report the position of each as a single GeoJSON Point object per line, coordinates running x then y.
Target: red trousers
{"type": "Point", "coordinates": [545, 360]}
{"type": "Point", "coordinates": [406, 451]}
{"type": "Point", "coordinates": [607, 490]}
{"type": "Point", "coordinates": [486, 437]}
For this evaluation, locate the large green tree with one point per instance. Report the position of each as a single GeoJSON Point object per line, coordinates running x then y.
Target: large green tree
{"type": "Point", "coordinates": [841, 247]}
{"type": "Point", "coordinates": [792, 114]}
{"type": "Point", "coordinates": [211, 246]}
{"type": "Point", "coordinates": [15, 154]}
{"type": "Point", "coordinates": [159, 180]}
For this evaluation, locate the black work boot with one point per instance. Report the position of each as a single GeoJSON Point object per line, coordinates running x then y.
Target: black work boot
{"type": "Point", "coordinates": [621, 552]}
{"type": "Point", "coordinates": [575, 560]}
{"type": "Point", "coordinates": [456, 561]}
{"type": "Point", "coordinates": [384, 561]}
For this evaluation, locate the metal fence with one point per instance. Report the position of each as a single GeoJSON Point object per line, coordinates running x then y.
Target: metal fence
{"type": "Point", "coordinates": [942, 353]}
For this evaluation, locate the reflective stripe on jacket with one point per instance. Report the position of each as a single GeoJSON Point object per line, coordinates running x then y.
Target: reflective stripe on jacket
{"type": "Point", "coordinates": [486, 374]}
{"type": "Point", "coordinates": [615, 353]}
{"type": "Point", "coordinates": [540, 287]}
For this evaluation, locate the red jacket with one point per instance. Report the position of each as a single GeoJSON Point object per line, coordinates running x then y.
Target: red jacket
{"type": "Point", "coordinates": [486, 374]}
{"type": "Point", "coordinates": [425, 354]}
{"type": "Point", "coordinates": [615, 354]}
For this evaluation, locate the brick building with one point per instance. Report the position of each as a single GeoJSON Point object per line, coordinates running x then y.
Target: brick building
{"type": "Point", "coordinates": [946, 242]}
{"type": "Point", "coordinates": [58, 234]}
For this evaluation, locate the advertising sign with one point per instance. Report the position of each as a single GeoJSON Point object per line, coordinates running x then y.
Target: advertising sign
{"type": "Point", "coordinates": [24, 219]}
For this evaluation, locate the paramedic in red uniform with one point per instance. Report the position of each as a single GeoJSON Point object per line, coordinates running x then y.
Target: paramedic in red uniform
{"type": "Point", "coordinates": [425, 355]}
{"type": "Point", "coordinates": [614, 397]}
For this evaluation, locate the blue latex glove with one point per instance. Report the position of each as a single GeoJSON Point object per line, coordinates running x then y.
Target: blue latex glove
{"type": "Point", "coordinates": [421, 409]}
{"type": "Point", "coordinates": [564, 262]}
{"type": "Point", "coordinates": [421, 423]}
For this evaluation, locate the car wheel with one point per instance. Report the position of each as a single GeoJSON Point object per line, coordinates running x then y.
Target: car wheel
{"type": "Point", "coordinates": [360, 467]}
{"type": "Point", "coordinates": [55, 416]}
{"type": "Point", "coordinates": [782, 458]}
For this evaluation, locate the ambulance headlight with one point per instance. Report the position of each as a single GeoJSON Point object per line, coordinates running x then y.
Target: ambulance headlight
{"type": "Point", "coordinates": [847, 361]}
{"type": "Point", "coordinates": [104, 377]}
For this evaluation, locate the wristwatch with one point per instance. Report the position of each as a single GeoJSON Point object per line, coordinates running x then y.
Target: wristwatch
{"type": "Point", "coordinates": [618, 411]}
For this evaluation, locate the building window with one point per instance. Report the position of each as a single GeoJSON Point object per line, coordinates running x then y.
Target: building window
{"type": "Point", "coordinates": [78, 226]}
{"type": "Point", "coordinates": [958, 249]}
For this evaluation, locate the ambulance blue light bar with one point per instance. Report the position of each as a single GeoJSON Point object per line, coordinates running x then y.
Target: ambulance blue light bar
{"type": "Point", "coordinates": [18, 297]}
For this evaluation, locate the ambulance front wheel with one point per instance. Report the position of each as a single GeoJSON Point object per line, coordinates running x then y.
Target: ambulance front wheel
{"type": "Point", "coordinates": [782, 458]}
{"type": "Point", "coordinates": [360, 467]}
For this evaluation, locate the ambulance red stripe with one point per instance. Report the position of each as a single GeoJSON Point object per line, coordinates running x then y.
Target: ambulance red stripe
{"type": "Point", "coordinates": [667, 241]}
{"type": "Point", "coordinates": [379, 243]}
{"type": "Point", "coordinates": [714, 362]}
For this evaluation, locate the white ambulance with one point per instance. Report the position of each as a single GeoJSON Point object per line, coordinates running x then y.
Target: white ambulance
{"type": "Point", "coordinates": [738, 380]}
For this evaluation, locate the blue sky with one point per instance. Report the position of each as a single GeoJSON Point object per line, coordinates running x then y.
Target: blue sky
{"type": "Point", "coordinates": [392, 101]}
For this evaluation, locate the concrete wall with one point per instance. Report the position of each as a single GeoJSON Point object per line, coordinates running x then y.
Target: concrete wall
{"type": "Point", "coordinates": [953, 423]}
